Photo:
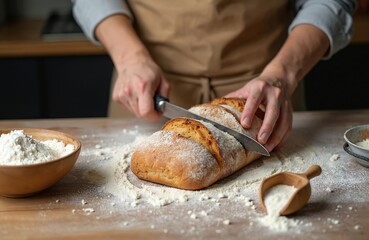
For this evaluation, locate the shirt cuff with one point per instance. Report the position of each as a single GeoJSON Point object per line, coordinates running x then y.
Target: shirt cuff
{"type": "Point", "coordinates": [89, 13]}
{"type": "Point", "coordinates": [334, 22]}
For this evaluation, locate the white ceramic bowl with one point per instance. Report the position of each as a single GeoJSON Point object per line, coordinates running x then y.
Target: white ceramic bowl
{"type": "Point", "coordinates": [354, 135]}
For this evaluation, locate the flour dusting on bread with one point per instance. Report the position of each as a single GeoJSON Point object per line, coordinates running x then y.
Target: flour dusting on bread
{"type": "Point", "coordinates": [231, 150]}
{"type": "Point", "coordinates": [192, 154]}
{"type": "Point", "coordinates": [164, 158]}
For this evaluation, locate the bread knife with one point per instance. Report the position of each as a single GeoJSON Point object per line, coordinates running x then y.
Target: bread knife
{"type": "Point", "coordinates": [170, 110]}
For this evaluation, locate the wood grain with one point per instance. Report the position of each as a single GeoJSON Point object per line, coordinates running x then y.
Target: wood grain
{"type": "Point", "coordinates": [57, 213]}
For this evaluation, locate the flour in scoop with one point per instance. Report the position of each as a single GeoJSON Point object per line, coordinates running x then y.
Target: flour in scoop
{"type": "Point", "coordinates": [18, 148]}
{"type": "Point", "coordinates": [275, 200]}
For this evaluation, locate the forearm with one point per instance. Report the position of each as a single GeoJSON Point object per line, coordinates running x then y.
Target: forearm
{"type": "Point", "coordinates": [119, 38]}
{"type": "Point", "coordinates": [304, 47]}
{"type": "Point", "coordinates": [90, 13]}
{"type": "Point", "coordinates": [333, 17]}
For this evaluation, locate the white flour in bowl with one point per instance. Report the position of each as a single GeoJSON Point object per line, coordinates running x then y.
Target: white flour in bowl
{"type": "Point", "coordinates": [364, 143]}
{"type": "Point", "coordinates": [17, 148]}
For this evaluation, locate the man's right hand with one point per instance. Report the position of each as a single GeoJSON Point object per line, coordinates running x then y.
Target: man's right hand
{"type": "Point", "coordinates": [139, 77]}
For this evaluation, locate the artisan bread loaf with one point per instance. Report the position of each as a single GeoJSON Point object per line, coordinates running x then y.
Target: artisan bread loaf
{"type": "Point", "coordinates": [192, 154]}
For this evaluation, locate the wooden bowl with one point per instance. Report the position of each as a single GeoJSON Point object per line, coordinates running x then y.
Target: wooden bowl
{"type": "Point", "coordinates": [26, 180]}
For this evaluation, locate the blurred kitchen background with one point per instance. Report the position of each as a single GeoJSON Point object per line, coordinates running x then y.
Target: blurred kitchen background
{"type": "Point", "coordinates": [48, 69]}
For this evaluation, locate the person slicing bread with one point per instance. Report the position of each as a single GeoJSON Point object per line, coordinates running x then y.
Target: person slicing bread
{"type": "Point", "coordinates": [194, 51]}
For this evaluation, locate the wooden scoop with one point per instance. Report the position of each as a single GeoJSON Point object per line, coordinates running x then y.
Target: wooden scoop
{"type": "Point", "coordinates": [299, 181]}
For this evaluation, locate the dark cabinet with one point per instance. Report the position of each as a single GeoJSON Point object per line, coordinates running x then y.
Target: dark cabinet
{"type": "Point", "coordinates": [55, 87]}
{"type": "Point", "coordinates": [51, 78]}
{"type": "Point", "coordinates": [341, 82]}
{"type": "Point", "coordinates": [20, 95]}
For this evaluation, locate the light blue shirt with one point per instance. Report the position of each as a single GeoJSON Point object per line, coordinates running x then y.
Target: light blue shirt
{"type": "Point", "coordinates": [333, 17]}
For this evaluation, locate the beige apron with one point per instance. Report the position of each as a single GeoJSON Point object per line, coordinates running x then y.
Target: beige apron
{"type": "Point", "coordinates": [208, 48]}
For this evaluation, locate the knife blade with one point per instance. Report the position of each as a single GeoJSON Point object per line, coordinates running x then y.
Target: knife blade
{"type": "Point", "coordinates": [170, 110]}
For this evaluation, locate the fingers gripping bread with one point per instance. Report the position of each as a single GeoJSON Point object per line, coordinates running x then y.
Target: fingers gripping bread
{"type": "Point", "coordinates": [191, 154]}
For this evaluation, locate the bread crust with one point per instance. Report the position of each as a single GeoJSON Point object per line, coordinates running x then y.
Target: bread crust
{"type": "Point", "coordinates": [239, 104]}
{"type": "Point", "coordinates": [236, 103]}
{"type": "Point", "coordinates": [170, 159]}
{"type": "Point", "coordinates": [192, 154]}
{"type": "Point", "coordinates": [196, 131]}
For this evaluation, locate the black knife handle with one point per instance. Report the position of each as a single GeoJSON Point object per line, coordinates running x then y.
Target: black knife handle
{"type": "Point", "coordinates": [159, 102]}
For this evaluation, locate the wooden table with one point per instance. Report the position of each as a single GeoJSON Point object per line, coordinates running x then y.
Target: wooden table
{"type": "Point", "coordinates": [337, 209]}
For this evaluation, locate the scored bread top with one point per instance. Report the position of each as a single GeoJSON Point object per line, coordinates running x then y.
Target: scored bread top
{"type": "Point", "coordinates": [196, 131]}
{"type": "Point", "coordinates": [232, 152]}
{"type": "Point", "coordinates": [219, 114]}
{"type": "Point", "coordinates": [236, 103]}
{"type": "Point", "coordinates": [236, 106]}
{"type": "Point", "coordinates": [170, 159]}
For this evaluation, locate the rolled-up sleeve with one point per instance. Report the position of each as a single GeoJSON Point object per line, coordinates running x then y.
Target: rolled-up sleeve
{"type": "Point", "coordinates": [89, 13]}
{"type": "Point", "coordinates": [333, 17]}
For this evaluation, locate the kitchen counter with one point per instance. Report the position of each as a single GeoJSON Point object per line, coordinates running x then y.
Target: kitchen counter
{"type": "Point", "coordinates": [22, 38]}
{"type": "Point", "coordinates": [101, 199]}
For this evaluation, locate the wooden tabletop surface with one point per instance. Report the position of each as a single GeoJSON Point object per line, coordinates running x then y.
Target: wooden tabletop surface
{"type": "Point", "coordinates": [82, 205]}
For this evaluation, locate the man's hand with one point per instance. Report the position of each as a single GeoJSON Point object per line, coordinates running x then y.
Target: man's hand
{"type": "Point", "coordinates": [139, 78]}
{"type": "Point", "coordinates": [273, 89]}
{"type": "Point", "coordinates": [272, 95]}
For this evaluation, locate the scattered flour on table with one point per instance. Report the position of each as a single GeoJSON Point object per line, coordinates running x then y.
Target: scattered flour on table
{"type": "Point", "coordinates": [334, 157]}
{"type": "Point", "coordinates": [364, 143]}
{"type": "Point", "coordinates": [275, 200]}
{"type": "Point", "coordinates": [113, 173]}
{"type": "Point", "coordinates": [242, 190]}
{"type": "Point", "coordinates": [18, 148]}
{"type": "Point", "coordinates": [119, 183]}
